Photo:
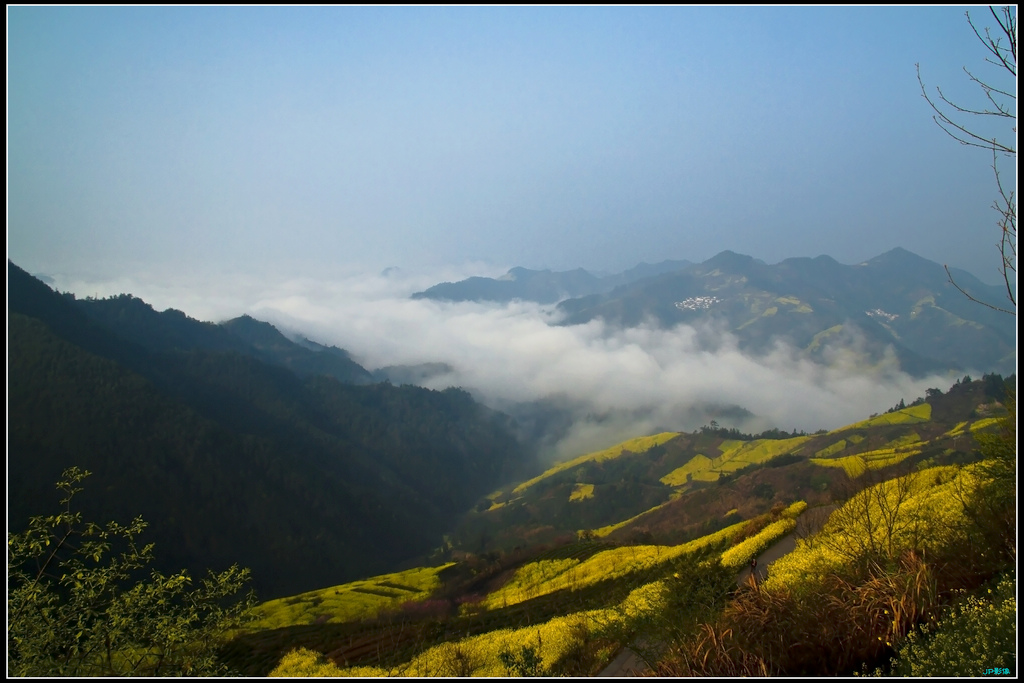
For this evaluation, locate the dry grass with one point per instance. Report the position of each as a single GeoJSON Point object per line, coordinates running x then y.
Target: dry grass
{"type": "Point", "coordinates": [849, 620]}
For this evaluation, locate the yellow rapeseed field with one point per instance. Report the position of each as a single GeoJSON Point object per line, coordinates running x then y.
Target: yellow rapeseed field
{"type": "Point", "coordinates": [930, 510]}
{"type": "Point", "coordinates": [639, 445]}
{"type": "Point", "coordinates": [350, 601]}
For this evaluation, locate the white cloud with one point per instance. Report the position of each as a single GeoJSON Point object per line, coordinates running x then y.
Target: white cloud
{"type": "Point", "coordinates": [629, 382]}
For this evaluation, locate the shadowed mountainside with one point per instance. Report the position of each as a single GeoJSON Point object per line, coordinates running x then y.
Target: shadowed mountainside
{"type": "Point", "coordinates": [231, 455]}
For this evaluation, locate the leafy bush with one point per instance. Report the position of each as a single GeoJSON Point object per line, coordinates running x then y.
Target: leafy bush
{"type": "Point", "coordinates": [977, 636]}
{"type": "Point", "coordinates": [524, 664]}
{"type": "Point", "coordinates": [77, 607]}
{"type": "Point", "coordinates": [304, 663]}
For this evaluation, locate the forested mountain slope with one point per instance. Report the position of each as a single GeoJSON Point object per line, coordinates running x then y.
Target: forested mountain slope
{"type": "Point", "coordinates": [305, 479]}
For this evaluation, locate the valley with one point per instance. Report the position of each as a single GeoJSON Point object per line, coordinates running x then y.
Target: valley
{"type": "Point", "coordinates": [529, 565]}
{"type": "Point", "coordinates": [441, 341]}
{"type": "Point", "coordinates": [400, 530]}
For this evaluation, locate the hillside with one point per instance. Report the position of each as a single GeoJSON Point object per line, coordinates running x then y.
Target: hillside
{"type": "Point", "coordinates": [517, 591]}
{"type": "Point", "coordinates": [897, 300]}
{"type": "Point", "coordinates": [542, 286]}
{"type": "Point", "coordinates": [676, 486]}
{"type": "Point", "coordinates": [896, 307]}
{"type": "Point", "coordinates": [234, 457]}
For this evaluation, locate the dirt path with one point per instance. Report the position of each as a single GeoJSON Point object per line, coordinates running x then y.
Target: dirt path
{"type": "Point", "coordinates": [627, 663]}
{"type": "Point", "coordinates": [783, 546]}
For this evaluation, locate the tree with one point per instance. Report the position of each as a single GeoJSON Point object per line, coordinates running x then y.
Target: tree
{"type": "Point", "coordinates": [79, 602]}
{"type": "Point", "coordinates": [875, 523]}
{"type": "Point", "coordinates": [989, 499]}
{"type": "Point", "coordinates": [1001, 107]}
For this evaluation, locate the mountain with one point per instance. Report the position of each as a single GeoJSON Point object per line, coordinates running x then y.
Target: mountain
{"type": "Point", "coordinates": [541, 286]}
{"type": "Point", "coordinates": [897, 300]}
{"type": "Point", "coordinates": [411, 374]}
{"type": "Point", "coordinates": [676, 486]}
{"type": "Point", "coordinates": [227, 440]}
{"type": "Point", "coordinates": [304, 357]}
{"type": "Point", "coordinates": [630, 546]}
{"type": "Point", "coordinates": [132, 319]}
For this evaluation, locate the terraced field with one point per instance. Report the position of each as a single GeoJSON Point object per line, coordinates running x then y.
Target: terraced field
{"type": "Point", "coordinates": [636, 446]}
{"type": "Point", "coordinates": [911, 415]}
{"type": "Point", "coordinates": [735, 456]}
{"type": "Point", "coordinates": [350, 601]}
{"type": "Point", "coordinates": [479, 654]}
{"type": "Point", "coordinates": [547, 599]}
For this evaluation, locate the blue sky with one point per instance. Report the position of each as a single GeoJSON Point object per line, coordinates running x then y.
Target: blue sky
{"type": "Point", "coordinates": [305, 140]}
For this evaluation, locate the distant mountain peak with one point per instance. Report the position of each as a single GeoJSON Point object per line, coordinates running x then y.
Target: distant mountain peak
{"type": "Point", "coordinates": [730, 259]}
{"type": "Point", "coordinates": [898, 255]}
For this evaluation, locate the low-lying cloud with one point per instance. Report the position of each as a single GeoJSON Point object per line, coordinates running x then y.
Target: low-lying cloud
{"type": "Point", "coordinates": [612, 383]}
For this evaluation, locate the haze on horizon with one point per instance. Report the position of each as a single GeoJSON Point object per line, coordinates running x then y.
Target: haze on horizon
{"type": "Point", "coordinates": [152, 144]}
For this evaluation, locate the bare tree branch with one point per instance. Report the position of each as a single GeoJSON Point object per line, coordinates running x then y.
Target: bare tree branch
{"type": "Point", "coordinates": [1009, 26]}
{"type": "Point", "coordinates": [977, 301]}
{"type": "Point", "coordinates": [1003, 105]}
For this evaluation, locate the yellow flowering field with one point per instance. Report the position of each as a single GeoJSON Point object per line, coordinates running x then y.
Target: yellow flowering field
{"type": "Point", "coordinates": [831, 450]}
{"type": "Point", "coordinates": [852, 464]}
{"type": "Point", "coordinates": [919, 413]}
{"type": "Point", "coordinates": [931, 509]}
{"type": "Point", "coordinates": [958, 430]}
{"type": "Point", "coordinates": [740, 554]}
{"type": "Point", "coordinates": [905, 440]}
{"type": "Point", "coordinates": [986, 422]}
{"type": "Point", "coordinates": [544, 577]}
{"type": "Point", "coordinates": [799, 306]}
{"type": "Point", "coordinates": [605, 530]}
{"type": "Point", "coordinates": [894, 452]}
{"type": "Point", "coordinates": [730, 445]}
{"type": "Point", "coordinates": [350, 601]}
{"type": "Point", "coordinates": [736, 455]}
{"type": "Point", "coordinates": [638, 445]}
{"type": "Point", "coordinates": [677, 477]}
{"type": "Point", "coordinates": [581, 492]}
{"type": "Point", "coordinates": [479, 655]}
{"type": "Point", "coordinates": [529, 582]}
{"type": "Point", "coordinates": [761, 450]}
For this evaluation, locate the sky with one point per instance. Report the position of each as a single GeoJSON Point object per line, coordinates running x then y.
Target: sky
{"type": "Point", "coordinates": [301, 141]}
{"type": "Point", "coordinates": [313, 167]}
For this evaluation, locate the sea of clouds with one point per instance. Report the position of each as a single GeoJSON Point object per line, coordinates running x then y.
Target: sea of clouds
{"type": "Point", "coordinates": [609, 384]}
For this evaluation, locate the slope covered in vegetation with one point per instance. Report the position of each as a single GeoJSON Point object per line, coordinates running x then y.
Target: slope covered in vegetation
{"type": "Point", "coordinates": [674, 487]}
{"type": "Point", "coordinates": [306, 480]}
{"type": "Point", "coordinates": [899, 544]}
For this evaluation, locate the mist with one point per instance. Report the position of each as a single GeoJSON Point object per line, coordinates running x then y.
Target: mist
{"type": "Point", "coordinates": [573, 388]}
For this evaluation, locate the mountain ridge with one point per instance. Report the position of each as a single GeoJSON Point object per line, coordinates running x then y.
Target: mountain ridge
{"type": "Point", "coordinates": [233, 457]}
{"type": "Point", "coordinates": [896, 300]}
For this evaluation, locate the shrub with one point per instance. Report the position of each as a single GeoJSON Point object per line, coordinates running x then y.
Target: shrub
{"type": "Point", "coordinates": [303, 663]}
{"type": "Point", "coordinates": [977, 636]}
{"type": "Point", "coordinates": [77, 608]}
{"type": "Point", "coordinates": [525, 664]}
